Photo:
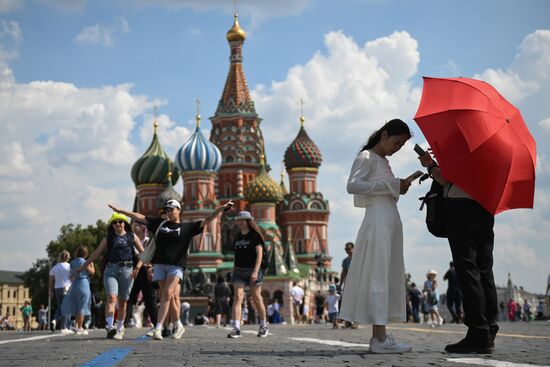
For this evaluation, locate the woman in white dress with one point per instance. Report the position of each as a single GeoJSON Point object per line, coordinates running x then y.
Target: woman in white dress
{"type": "Point", "coordinates": [377, 271]}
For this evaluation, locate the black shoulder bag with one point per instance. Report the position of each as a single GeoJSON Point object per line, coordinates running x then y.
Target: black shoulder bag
{"type": "Point", "coordinates": [436, 206]}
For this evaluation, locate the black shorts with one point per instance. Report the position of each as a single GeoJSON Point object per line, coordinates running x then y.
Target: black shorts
{"type": "Point", "coordinates": [242, 276]}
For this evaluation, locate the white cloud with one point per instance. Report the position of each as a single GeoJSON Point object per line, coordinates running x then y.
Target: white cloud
{"type": "Point", "coordinates": [104, 35]}
{"type": "Point", "coordinates": [12, 160]}
{"type": "Point", "coordinates": [7, 6]}
{"type": "Point", "coordinates": [508, 83]}
{"type": "Point", "coordinates": [170, 135]}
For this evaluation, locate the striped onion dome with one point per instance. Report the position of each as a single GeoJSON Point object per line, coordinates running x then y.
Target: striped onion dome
{"type": "Point", "coordinates": [198, 154]}
{"type": "Point", "coordinates": [302, 152]}
{"type": "Point", "coordinates": [153, 166]}
{"type": "Point", "coordinates": [263, 189]}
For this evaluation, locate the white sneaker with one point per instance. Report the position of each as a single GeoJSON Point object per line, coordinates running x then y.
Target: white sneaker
{"type": "Point", "coordinates": [157, 334]}
{"type": "Point", "coordinates": [119, 334]}
{"type": "Point", "coordinates": [178, 332]}
{"type": "Point", "coordinates": [82, 332]}
{"type": "Point", "coordinates": [150, 332]}
{"type": "Point", "coordinates": [390, 345]}
{"type": "Point", "coordinates": [66, 331]}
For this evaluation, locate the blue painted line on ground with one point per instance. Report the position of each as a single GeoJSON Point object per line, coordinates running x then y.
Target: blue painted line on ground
{"type": "Point", "coordinates": [109, 358]}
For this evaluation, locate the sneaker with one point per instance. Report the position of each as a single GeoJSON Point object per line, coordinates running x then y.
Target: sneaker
{"type": "Point", "coordinates": [235, 333]}
{"type": "Point", "coordinates": [111, 332]}
{"type": "Point", "coordinates": [262, 333]}
{"type": "Point", "coordinates": [468, 346]}
{"type": "Point", "coordinates": [66, 331]}
{"type": "Point", "coordinates": [82, 332]}
{"type": "Point", "coordinates": [390, 345]}
{"type": "Point", "coordinates": [157, 334]}
{"type": "Point", "coordinates": [178, 332]}
{"type": "Point", "coordinates": [150, 332]}
{"type": "Point", "coordinates": [119, 334]}
{"type": "Point", "coordinates": [52, 325]}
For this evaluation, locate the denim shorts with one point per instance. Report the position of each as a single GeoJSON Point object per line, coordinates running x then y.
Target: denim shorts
{"type": "Point", "coordinates": [163, 271]}
{"type": "Point", "coordinates": [243, 275]}
{"type": "Point", "coordinates": [117, 280]}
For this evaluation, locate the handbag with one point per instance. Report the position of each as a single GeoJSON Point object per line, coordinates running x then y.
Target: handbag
{"type": "Point", "coordinates": [435, 202]}
{"type": "Point", "coordinates": [147, 255]}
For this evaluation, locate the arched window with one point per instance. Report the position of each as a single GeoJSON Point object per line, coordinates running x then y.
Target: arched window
{"type": "Point", "coordinates": [227, 189]}
{"type": "Point", "coordinates": [279, 296]}
{"type": "Point", "coordinates": [247, 159]}
{"type": "Point", "coordinates": [229, 158]}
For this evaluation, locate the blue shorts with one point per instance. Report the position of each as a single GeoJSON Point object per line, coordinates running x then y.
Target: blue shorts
{"type": "Point", "coordinates": [332, 316]}
{"type": "Point", "coordinates": [243, 275]}
{"type": "Point", "coordinates": [163, 271]}
{"type": "Point", "coordinates": [117, 280]}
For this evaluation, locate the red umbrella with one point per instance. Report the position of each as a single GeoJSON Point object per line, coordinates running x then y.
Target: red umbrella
{"type": "Point", "coordinates": [480, 142]}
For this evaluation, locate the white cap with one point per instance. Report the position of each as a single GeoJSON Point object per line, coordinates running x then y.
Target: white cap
{"type": "Point", "coordinates": [172, 204]}
{"type": "Point", "coordinates": [244, 215]}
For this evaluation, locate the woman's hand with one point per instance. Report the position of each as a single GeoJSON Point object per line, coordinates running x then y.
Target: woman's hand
{"type": "Point", "coordinates": [113, 208]}
{"type": "Point", "coordinates": [426, 160]}
{"type": "Point", "coordinates": [254, 277]}
{"type": "Point", "coordinates": [404, 186]}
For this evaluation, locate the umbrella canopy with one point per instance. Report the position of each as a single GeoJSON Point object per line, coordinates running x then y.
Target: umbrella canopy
{"type": "Point", "coordinates": [480, 142]}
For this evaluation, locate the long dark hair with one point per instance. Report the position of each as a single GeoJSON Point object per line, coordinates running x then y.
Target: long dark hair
{"type": "Point", "coordinates": [392, 127]}
{"type": "Point", "coordinates": [111, 233]}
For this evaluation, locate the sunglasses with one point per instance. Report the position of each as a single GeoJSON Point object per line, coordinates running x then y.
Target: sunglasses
{"type": "Point", "coordinates": [348, 249]}
{"type": "Point", "coordinates": [118, 221]}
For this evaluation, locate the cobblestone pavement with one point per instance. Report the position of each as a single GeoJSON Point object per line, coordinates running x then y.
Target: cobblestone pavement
{"type": "Point", "coordinates": [518, 344]}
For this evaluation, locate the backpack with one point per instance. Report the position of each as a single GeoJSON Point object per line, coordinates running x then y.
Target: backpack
{"type": "Point", "coordinates": [435, 203]}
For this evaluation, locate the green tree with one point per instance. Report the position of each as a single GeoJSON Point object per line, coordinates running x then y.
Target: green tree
{"type": "Point", "coordinates": [70, 238]}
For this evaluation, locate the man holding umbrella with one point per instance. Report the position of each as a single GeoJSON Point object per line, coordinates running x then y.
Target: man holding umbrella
{"type": "Point", "coordinates": [486, 164]}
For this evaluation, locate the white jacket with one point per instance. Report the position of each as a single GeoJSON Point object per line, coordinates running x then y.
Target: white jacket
{"type": "Point", "coordinates": [371, 177]}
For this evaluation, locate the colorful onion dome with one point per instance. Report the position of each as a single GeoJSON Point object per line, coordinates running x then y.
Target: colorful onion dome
{"type": "Point", "coordinates": [198, 153]}
{"type": "Point", "coordinates": [236, 33]}
{"type": "Point", "coordinates": [153, 166]}
{"type": "Point", "coordinates": [168, 194]}
{"type": "Point", "coordinates": [263, 189]}
{"type": "Point", "coordinates": [302, 152]}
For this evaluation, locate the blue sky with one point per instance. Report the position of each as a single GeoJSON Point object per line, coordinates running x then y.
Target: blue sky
{"type": "Point", "coordinates": [78, 80]}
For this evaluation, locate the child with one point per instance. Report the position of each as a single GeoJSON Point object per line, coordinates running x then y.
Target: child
{"type": "Point", "coordinates": [377, 271]}
{"type": "Point", "coordinates": [42, 318]}
{"type": "Point", "coordinates": [331, 303]}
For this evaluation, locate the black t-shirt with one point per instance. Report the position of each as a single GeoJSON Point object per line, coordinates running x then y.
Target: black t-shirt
{"type": "Point", "coordinates": [451, 277]}
{"type": "Point", "coordinates": [173, 240]}
{"type": "Point", "coordinates": [244, 247]}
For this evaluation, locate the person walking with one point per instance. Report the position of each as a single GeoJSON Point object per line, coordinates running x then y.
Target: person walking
{"type": "Point", "coordinates": [319, 307]}
{"type": "Point", "coordinates": [454, 297]}
{"type": "Point", "coordinates": [415, 296]}
{"type": "Point", "coordinates": [78, 301]}
{"type": "Point", "coordinates": [433, 301]}
{"type": "Point", "coordinates": [143, 283]}
{"type": "Point", "coordinates": [26, 310]}
{"type": "Point", "coordinates": [377, 271]}
{"type": "Point", "coordinates": [59, 285]}
{"type": "Point", "coordinates": [221, 301]}
{"type": "Point", "coordinates": [248, 248]}
{"type": "Point", "coordinates": [119, 247]}
{"type": "Point", "coordinates": [343, 275]}
{"type": "Point", "coordinates": [469, 227]}
{"type": "Point", "coordinates": [170, 257]}
{"type": "Point", "coordinates": [297, 295]}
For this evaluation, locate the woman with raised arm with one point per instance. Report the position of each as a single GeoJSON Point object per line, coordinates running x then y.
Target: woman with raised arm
{"type": "Point", "coordinates": [119, 247]}
{"type": "Point", "coordinates": [170, 258]}
{"type": "Point", "coordinates": [377, 271]}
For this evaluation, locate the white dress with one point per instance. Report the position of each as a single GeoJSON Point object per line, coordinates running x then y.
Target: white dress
{"type": "Point", "coordinates": [375, 284]}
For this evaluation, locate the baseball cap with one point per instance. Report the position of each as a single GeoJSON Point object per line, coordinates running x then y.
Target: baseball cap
{"type": "Point", "coordinates": [172, 204]}
{"type": "Point", "coordinates": [244, 215]}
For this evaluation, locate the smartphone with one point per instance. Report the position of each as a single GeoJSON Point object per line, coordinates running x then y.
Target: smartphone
{"type": "Point", "coordinates": [415, 176]}
{"type": "Point", "coordinates": [228, 206]}
{"type": "Point", "coordinates": [418, 149]}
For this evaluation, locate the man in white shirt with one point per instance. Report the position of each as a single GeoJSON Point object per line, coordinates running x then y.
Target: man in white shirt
{"type": "Point", "coordinates": [59, 285]}
{"type": "Point", "coordinates": [297, 294]}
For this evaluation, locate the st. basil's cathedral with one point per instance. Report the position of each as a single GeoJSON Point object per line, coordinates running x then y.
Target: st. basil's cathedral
{"type": "Point", "coordinates": [232, 165]}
